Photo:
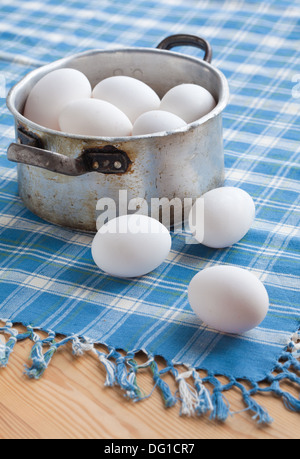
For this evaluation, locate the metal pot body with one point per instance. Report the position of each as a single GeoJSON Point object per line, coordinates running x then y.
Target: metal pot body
{"type": "Point", "coordinates": [181, 164]}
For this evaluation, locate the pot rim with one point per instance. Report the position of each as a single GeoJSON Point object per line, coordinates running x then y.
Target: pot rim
{"type": "Point", "coordinates": [62, 63]}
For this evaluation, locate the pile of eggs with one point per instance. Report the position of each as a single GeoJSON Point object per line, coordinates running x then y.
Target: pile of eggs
{"type": "Point", "coordinates": [117, 106]}
{"type": "Point", "coordinates": [226, 298]}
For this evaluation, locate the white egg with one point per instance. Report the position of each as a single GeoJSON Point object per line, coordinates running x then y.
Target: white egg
{"type": "Point", "coordinates": [188, 101]}
{"type": "Point", "coordinates": [92, 117]}
{"type": "Point", "coordinates": [228, 299]}
{"type": "Point", "coordinates": [156, 121]}
{"type": "Point", "coordinates": [49, 96]}
{"type": "Point", "coordinates": [130, 95]}
{"type": "Point", "coordinates": [131, 246]}
{"type": "Point", "coordinates": [221, 217]}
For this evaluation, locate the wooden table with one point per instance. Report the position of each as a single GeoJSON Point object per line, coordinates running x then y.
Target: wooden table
{"type": "Point", "coordinates": [71, 402]}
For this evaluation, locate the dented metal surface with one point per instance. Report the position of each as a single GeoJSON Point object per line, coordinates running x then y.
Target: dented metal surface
{"type": "Point", "coordinates": [183, 164]}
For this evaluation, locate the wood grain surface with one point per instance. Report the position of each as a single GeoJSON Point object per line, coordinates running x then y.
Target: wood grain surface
{"type": "Point", "coordinates": [71, 402]}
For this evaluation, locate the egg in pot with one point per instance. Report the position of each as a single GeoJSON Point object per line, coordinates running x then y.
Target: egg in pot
{"type": "Point", "coordinates": [93, 117]}
{"type": "Point", "coordinates": [188, 101]}
{"type": "Point", "coordinates": [52, 93]}
{"type": "Point", "coordinates": [130, 95]}
{"type": "Point", "coordinates": [156, 121]}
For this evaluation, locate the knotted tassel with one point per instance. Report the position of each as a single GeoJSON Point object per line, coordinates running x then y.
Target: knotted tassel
{"type": "Point", "coordinates": [188, 395]}
{"type": "Point", "coordinates": [291, 359]}
{"type": "Point", "coordinates": [40, 361]}
{"type": "Point", "coordinates": [167, 395]}
{"type": "Point", "coordinates": [290, 402]}
{"type": "Point", "coordinates": [204, 403]}
{"type": "Point", "coordinates": [124, 380]}
{"type": "Point", "coordinates": [220, 410]}
{"type": "Point", "coordinates": [2, 348]}
{"type": "Point", "coordinates": [132, 378]}
{"type": "Point", "coordinates": [80, 346]}
{"type": "Point", "coordinates": [295, 362]}
{"type": "Point", "coordinates": [260, 414]}
{"type": "Point", "coordinates": [6, 347]}
{"type": "Point", "coordinates": [110, 368]}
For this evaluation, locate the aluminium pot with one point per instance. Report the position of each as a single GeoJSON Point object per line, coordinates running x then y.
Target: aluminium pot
{"type": "Point", "coordinates": [61, 176]}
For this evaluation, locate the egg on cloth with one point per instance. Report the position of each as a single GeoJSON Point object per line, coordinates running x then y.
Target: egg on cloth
{"type": "Point", "coordinates": [188, 101]}
{"type": "Point", "coordinates": [228, 299]}
{"type": "Point", "coordinates": [130, 95]}
{"type": "Point", "coordinates": [131, 246]}
{"type": "Point", "coordinates": [92, 117]}
{"type": "Point", "coordinates": [225, 214]}
{"type": "Point", "coordinates": [50, 95]}
{"type": "Point", "coordinates": [156, 121]}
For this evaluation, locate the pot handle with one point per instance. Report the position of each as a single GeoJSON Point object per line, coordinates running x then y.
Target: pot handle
{"type": "Point", "coordinates": [105, 160]}
{"type": "Point", "coordinates": [187, 40]}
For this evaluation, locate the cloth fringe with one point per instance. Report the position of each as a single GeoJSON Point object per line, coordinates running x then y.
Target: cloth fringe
{"type": "Point", "coordinates": [192, 392]}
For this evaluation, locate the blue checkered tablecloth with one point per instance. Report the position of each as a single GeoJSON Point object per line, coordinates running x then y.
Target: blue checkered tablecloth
{"type": "Point", "coordinates": [47, 276]}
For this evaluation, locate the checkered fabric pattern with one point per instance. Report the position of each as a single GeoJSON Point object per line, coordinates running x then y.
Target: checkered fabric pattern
{"type": "Point", "coordinates": [47, 276]}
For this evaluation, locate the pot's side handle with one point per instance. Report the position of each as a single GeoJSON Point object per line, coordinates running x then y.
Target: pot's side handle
{"type": "Point", "coordinates": [187, 40]}
{"type": "Point", "coordinates": [105, 160]}
{"type": "Point", "coordinates": [44, 159]}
